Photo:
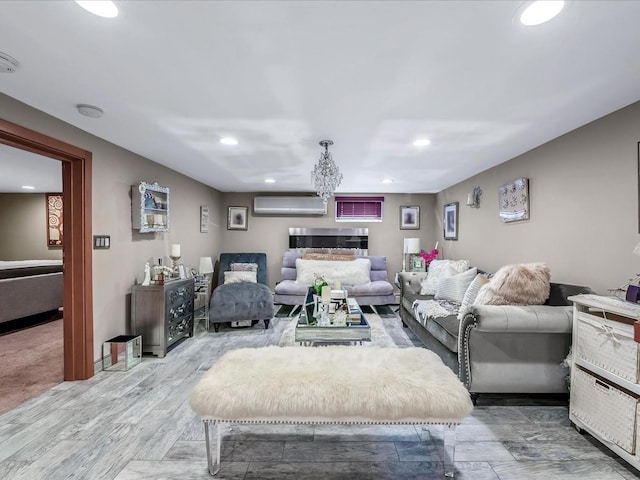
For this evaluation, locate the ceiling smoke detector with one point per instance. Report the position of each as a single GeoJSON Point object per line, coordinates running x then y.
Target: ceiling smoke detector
{"type": "Point", "coordinates": [8, 64]}
{"type": "Point", "coordinates": [89, 110]}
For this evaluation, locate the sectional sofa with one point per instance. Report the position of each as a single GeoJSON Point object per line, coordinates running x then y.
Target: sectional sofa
{"type": "Point", "coordinates": [498, 348]}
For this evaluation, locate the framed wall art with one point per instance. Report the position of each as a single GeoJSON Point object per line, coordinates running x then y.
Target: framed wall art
{"type": "Point", "coordinates": [204, 219]}
{"type": "Point", "coordinates": [237, 218]}
{"type": "Point", "coordinates": [409, 218]}
{"type": "Point", "coordinates": [54, 219]}
{"type": "Point", "coordinates": [450, 221]}
{"type": "Point", "coordinates": [513, 199]}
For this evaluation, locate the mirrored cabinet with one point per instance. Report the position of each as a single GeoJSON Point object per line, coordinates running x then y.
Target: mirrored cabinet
{"type": "Point", "coordinates": [149, 207]}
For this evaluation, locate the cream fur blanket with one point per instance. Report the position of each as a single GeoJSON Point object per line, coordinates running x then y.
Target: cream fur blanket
{"type": "Point", "coordinates": [335, 384]}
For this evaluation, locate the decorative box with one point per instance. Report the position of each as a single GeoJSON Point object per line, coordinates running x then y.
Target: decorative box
{"type": "Point", "coordinates": [122, 352]}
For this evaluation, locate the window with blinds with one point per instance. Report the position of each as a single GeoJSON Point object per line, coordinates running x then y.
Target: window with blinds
{"type": "Point", "coordinates": [359, 209]}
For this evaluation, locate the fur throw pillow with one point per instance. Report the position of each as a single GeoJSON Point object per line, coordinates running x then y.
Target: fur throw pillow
{"type": "Point", "coordinates": [518, 284]}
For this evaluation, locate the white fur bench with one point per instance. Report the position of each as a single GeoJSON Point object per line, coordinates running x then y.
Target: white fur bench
{"type": "Point", "coordinates": [335, 385]}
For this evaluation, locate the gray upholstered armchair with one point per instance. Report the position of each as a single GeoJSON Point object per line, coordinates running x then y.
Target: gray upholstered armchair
{"type": "Point", "coordinates": [241, 301]}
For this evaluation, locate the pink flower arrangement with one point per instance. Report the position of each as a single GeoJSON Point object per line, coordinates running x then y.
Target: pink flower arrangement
{"type": "Point", "coordinates": [428, 257]}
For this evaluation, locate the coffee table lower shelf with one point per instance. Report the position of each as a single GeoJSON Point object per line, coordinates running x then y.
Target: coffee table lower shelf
{"type": "Point", "coordinates": [311, 334]}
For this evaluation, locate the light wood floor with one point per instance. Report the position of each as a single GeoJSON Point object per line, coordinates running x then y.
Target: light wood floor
{"type": "Point", "coordinates": [138, 425]}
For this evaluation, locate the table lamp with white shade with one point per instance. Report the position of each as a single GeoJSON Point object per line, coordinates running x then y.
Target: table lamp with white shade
{"type": "Point", "coordinates": [206, 266]}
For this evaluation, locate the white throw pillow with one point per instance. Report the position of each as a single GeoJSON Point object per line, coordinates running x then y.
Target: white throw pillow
{"type": "Point", "coordinates": [470, 295]}
{"type": "Point", "coordinates": [453, 287]}
{"type": "Point", "coordinates": [240, 277]}
{"type": "Point", "coordinates": [430, 283]}
{"type": "Point", "coordinates": [354, 272]}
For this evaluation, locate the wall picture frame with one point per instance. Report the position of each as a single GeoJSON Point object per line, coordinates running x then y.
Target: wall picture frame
{"type": "Point", "coordinates": [409, 217]}
{"type": "Point", "coordinates": [204, 219]}
{"type": "Point", "coordinates": [54, 219]}
{"type": "Point", "coordinates": [450, 220]}
{"type": "Point", "coordinates": [513, 200]}
{"type": "Point", "coordinates": [237, 218]}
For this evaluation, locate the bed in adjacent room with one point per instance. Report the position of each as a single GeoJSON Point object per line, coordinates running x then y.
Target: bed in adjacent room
{"type": "Point", "coordinates": [29, 287]}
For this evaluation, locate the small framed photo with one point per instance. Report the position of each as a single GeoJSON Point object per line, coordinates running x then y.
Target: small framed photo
{"type": "Point", "coordinates": [204, 219]}
{"type": "Point", "coordinates": [237, 218]}
{"type": "Point", "coordinates": [182, 273]}
{"type": "Point", "coordinates": [450, 221]}
{"type": "Point", "coordinates": [409, 218]}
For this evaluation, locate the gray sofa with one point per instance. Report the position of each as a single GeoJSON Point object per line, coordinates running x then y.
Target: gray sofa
{"type": "Point", "coordinates": [377, 292]}
{"type": "Point", "coordinates": [499, 348]}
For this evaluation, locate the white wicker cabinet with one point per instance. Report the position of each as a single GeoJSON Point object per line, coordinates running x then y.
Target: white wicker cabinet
{"type": "Point", "coordinates": [605, 387]}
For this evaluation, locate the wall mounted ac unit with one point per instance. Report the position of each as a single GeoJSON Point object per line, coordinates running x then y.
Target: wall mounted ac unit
{"type": "Point", "coordinates": [289, 206]}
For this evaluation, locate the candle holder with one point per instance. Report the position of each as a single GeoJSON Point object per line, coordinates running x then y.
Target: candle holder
{"type": "Point", "coordinates": [174, 265]}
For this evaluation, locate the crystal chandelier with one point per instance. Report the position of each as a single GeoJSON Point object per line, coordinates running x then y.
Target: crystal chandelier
{"type": "Point", "coordinates": [326, 176]}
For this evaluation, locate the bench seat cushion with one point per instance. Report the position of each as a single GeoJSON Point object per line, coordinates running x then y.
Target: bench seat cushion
{"type": "Point", "coordinates": [331, 384]}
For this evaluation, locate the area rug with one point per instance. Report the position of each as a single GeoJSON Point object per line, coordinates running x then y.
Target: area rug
{"type": "Point", "coordinates": [32, 363]}
{"type": "Point", "coordinates": [379, 335]}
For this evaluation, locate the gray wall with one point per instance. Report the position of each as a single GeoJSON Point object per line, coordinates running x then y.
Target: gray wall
{"type": "Point", "coordinates": [24, 232]}
{"type": "Point", "coordinates": [584, 207]}
{"type": "Point", "coordinates": [270, 234]}
{"type": "Point", "coordinates": [114, 171]}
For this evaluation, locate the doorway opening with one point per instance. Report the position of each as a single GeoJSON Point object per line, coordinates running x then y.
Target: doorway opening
{"type": "Point", "coordinates": [77, 276]}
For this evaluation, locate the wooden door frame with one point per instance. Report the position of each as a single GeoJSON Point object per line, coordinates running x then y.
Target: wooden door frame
{"type": "Point", "coordinates": [77, 254]}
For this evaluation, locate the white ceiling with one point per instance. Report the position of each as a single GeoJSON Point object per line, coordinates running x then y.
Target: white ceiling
{"type": "Point", "coordinates": [174, 77]}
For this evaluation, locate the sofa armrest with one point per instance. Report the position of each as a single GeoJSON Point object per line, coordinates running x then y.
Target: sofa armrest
{"type": "Point", "coordinates": [522, 319]}
{"type": "Point", "coordinates": [508, 319]}
{"type": "Point", "coordinates": [410, 282]}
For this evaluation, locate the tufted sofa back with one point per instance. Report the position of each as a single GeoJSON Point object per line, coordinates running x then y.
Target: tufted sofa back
{"type": "Point", "coordinates": [378, 266]}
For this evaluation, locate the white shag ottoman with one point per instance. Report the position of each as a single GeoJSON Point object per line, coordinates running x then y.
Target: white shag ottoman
{"type": "Point", "coordinates": [331, 385]}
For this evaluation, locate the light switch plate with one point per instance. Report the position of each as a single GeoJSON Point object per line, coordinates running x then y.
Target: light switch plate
{"type": "Point", "coordinates": [101, 242]}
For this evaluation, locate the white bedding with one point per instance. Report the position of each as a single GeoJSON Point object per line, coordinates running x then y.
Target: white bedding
{"type": "Point", "coordinates": [7, 264]}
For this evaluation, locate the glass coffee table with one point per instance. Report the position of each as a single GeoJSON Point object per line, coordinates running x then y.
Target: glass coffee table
{"type": "Point", "coordinates": [354, 332]}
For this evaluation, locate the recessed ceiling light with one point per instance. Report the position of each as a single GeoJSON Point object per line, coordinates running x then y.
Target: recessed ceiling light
{"type": "Point", "coordinates": [269, 180]}
{"type": "Point", "coordinates": [102, 8]}
{"type": "Point", "coordinates": [387, 180]}
{"type": "Point", "coordinates": [28, 187]}
{"type": "Point", "coordinates": [228, 141]}
{"type": "Point", "coordinates": [421, 142]}
{"type": "Point", "coordinates": [538, 12]}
